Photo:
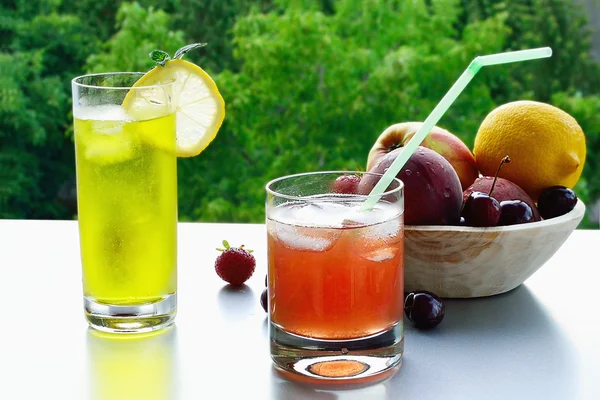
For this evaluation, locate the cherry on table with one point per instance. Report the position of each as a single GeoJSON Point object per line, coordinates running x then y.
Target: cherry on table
{"type": "Point", "coordinates": [264, 300]}
{"type": "Point", "coordinates": [424, 309]}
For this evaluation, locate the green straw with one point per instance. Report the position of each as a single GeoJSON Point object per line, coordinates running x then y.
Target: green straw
{"type": "Point", "coordinates": [442, 107]}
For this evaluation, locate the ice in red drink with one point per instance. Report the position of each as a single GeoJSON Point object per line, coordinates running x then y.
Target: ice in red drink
{"type": "Point", "coordinates": [335, 272]}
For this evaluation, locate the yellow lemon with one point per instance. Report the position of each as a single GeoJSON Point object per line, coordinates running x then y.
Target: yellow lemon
{"type": "Point", "coordinates": [199, 107]}
{"type": "Point", "coordinates": [545, 144]}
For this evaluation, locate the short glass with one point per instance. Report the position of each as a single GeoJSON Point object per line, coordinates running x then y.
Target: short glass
{"type": "Point", "coordinates": [336, 276]}
{"type": "Point", "coordinates": [127, 201]}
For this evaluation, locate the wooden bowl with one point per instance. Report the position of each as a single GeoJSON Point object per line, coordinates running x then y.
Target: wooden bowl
{"type": "Point", "coordinates": [464, 262]}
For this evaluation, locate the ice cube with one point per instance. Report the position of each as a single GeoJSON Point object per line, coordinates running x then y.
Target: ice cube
{"type": "Point", "coordinates": [381, 222]}
{"type": "Point", "coordinates": [384, 230]}
{"type": "Point", "coordinates": [355, 217]}
{"type": "Point", "coordinates": [110, 142]}
{"type": "Point", "coordinates": [322, 214]}
{"type": "Point", "coordinates": [309, 226]}
{"type": "Point", "coordinates": [101, 113]}
{"type": "Point", "coordinates": [306, 239]}
{"type": "Point", "coordinates": [380, 254]}
{"type": "Point", "coordinates": [109, 152]}
{"type": "Point", "coordinates": [107, 127]}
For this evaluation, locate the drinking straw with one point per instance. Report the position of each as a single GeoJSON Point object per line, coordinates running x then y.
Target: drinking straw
{"type": "Point", "coordinates": [442, 107]}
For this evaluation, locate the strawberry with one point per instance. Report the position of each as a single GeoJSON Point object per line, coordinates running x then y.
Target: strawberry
{"type": "Point", "coordinates": [235, 264]}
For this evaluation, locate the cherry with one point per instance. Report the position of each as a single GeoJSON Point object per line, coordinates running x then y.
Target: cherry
{"type": "Point", "coordinates": [556, 201]}
{"type": "Point", "coordinates": [481, 209]}
{"type": "Point", "coordinates": [424, 309]}
{"type": "Point", "coordinates": [514, 212]}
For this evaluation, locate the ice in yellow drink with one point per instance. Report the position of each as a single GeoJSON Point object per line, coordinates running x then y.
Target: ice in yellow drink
{"type": "Point", "coordinates": [127, 205]}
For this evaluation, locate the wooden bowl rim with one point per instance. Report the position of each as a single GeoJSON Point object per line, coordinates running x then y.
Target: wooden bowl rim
{"type": "Point", "coordinates": [576, 213]}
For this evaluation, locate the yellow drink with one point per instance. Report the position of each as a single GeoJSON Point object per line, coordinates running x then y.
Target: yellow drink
{"type": "Point", "coordinates": [127, 205]}
{"type": "Point", "coordinates": [130, 127]}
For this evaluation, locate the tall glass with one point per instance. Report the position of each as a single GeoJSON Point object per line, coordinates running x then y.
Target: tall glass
{"type": "Point", "coordinates": [127, 201]}
{"type": "Point", "coordinates": [336, 276]}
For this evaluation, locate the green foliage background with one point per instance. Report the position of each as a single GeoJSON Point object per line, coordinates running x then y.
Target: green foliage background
{"type": "Point", "coordinates": [308, 84]}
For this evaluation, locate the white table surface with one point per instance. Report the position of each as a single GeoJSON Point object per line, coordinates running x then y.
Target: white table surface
{"type": "Point", "coordinates": [540, 341]}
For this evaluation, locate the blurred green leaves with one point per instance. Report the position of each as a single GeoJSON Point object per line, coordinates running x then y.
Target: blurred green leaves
{"type": "Point", "coordinates": [140, 30]}
{"type": "Point", "coordinates": [308, 84]}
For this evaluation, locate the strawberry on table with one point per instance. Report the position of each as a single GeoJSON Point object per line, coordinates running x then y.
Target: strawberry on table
{"type": "Point", "coordinates": [235, 265]}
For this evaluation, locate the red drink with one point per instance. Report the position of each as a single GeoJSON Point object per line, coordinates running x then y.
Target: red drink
{"type": "Point", "coordinates": [335, 272]}
{"type": "Point", "coordinates": [336, 277]}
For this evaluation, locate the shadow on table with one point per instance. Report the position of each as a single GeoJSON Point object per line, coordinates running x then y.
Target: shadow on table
{"type": "Point", "coordinates": [238, 302]}
{"type": "Point", "coordinates": [132, 366]}
{"type": "Point", "coordinates": [290, 389]}
{"type": "Point", "coordinates": [500, 347]}
{"type": "Point", "coordinates": [496, 347]}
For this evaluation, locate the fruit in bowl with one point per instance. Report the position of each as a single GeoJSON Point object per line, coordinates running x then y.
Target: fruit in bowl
{"type": "Point", "coordinates": [513, 217]}
{"type": "Point", "coordinates": [443, 142]}
{"type": "Point", "coordinates": [507, 244]}
{"type": "Point", "coordinates": [492, 201]}
{"type": "Point", "coordinates": [432, 190]}
{"type": "Point", "coordinates": [547, 146]}
{"type": "Point", "coordinates": [556, 201]}
{"type": "Point", "coordinates": [464, 261]}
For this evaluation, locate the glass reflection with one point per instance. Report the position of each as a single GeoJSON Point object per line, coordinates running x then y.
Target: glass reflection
{"type": "Point", "coordinates": [132, 366]}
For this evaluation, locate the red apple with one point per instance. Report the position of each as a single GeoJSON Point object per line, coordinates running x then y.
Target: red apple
{"type": "Point", "coordinates": [432, 191]}
{"type": "Point", "coordinates": [439, 140]}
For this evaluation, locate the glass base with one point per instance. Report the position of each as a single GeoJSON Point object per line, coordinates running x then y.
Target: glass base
{"type": "Point", "coordinates": [131, 319]}
{"type": "Point", "coordinates": [346, 361]}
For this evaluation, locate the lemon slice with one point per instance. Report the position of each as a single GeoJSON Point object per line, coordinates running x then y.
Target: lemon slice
{"type": "Point", "coordinates": [198, 105]}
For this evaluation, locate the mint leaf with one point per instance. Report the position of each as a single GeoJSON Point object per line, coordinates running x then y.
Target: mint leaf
{"type": "Point", "coordinates": [160, 57]}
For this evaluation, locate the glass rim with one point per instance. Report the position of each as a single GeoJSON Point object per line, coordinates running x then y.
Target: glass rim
{"type": "Point", "coordinates": [366, 196]}
{"type": "Point", "coordinates": [75, 81]}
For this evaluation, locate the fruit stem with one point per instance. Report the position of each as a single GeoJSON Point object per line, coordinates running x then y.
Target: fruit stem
{"type": "Point", "coordinates": [393, 147]}
{"type": "Point", "coordinates": [506, 159]}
